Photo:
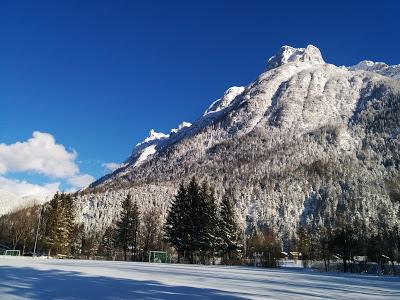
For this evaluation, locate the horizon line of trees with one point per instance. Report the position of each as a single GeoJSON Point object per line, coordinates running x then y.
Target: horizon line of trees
{"type": "Point", "coordinates": [352, 244]}
{"type": "Point", "coordinates": [198, 229]}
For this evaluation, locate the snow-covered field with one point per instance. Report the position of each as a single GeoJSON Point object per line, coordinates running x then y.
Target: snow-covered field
{"type": "Point", "coordinates": [27, 278]}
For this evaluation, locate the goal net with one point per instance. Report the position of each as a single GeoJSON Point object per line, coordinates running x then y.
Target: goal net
{"type": "Point", "coordinates": [159, 257]}
{"type": "Point", "coordinates": [12, 253]}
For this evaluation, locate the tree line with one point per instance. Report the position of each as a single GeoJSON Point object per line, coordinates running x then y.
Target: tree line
{"type": "Point", "coordinates": [198, 229]}
{"type": "Point", "coordinates": [352, 245]}
{"type": "Point", "coordinates": [58, 233]}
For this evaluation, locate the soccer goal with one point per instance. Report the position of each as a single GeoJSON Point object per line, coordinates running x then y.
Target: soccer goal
{"type": "Point", "coordinates": [159, 257]}
{"type": "Point", "coordinates": [12, 253]}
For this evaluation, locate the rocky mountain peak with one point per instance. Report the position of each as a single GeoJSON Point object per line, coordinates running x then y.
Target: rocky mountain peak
{"type": "Point", "coordinates": [287, 54]}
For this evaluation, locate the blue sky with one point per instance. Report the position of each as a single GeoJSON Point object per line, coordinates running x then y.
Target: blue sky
{"type": "Point", "coordinates": [98, 75]}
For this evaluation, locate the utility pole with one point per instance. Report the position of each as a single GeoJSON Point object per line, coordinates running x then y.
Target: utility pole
{"type": "Point", "coordinates": [244, 238]}
{"type": "Point", "coordinates": [37, 231]}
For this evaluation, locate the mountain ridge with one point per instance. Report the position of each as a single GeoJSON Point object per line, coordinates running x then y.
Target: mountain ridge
{"type": "Point", "coordinates": [284, 113]}
{"type": "Point", "coordinates": [287, 54]}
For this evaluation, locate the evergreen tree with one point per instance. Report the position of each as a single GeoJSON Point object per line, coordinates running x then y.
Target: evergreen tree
{"type": "Point", "coordinates": [107, 245]}
{"type": "Point", "coordinates": [66, 223]}
{"type": "Point", "coordinates": [133, 231]}
{"type": "Point", "coordinates": [175, 227]}
{"type": "Point", "coordinates": [194, 221]}
{"type": "Point", "coordinates": [209, 226]}
{"type": "Point", "coordinates": [77, 239]}
{"type": "Point", "coordinates": [228, 230]}
{"type": "Point", "coordinates": [59, 218]}
{"type": "Point", "coordinates": [124, 225]}
{"type": "Point", "coordinates": [52, 223]}
{"type": "Point", "coordinates": [304, 245]}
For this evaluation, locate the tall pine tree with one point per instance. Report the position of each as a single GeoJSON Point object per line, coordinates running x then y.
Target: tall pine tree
{"type": "Point", "coordinates": [229, 231]}
{"type": "Point", "coordinates": [59, 218]}
{"type": "Point", "coordinates": [52, 222]}
{"type": "Point", "coordinates": [209, 214]}
{"type": "Point", "coordinates": [194, 221]}
{"type": "Point", "coordinates": [128, 227]}
{"type": "Point", "coordinates": [107, 244]}
{"type": "Point", "coordinates": [66, 221]}
{"type": "Point", "coordinates": [176, 227]}
{"type": "Point", "coordinates": [134, 227]}
{"type": "Point", "coordinates": [124, 226]}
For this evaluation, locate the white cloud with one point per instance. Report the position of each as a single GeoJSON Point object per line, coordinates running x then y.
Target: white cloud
{"type": "Point", "coordinates": [111, 166]}
{"type": "Point", "coordinates": [39, 154]}
{"type": "Point", "coordinates": [17, 193]}
{"type": "Point", "coordinates": [80, 181]}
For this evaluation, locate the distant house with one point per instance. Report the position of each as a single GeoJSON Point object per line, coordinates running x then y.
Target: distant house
{"type": "Point", "coordinates": [284, 255]}
{"type": "Point", "coordinates": [360, 258]}
{"type": "Point", "coordinates": [294, 255]}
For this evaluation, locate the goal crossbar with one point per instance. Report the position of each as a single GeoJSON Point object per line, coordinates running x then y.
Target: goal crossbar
{"type": "Point", "coordinates": [159, 257]}
{"type": "Point", "coordinates": [12, 253]}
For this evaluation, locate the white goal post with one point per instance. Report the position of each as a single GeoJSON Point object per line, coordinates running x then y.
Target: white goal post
{"type": "Point", "coordinates": [12, 253]}
{"type": "Point", "coordinates": [159, 257]}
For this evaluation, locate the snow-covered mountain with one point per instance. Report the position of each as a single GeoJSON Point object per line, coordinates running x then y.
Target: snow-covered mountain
{"type": "Point", "coordinates": [10, 201]}
{"type": "Point", "coordinates": [377, 67]}
{"type": "Point", "coordinates": [306, 142]}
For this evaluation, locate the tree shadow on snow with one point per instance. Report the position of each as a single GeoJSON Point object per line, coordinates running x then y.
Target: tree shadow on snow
{"type": "Point", "coordinates": [50, 284]}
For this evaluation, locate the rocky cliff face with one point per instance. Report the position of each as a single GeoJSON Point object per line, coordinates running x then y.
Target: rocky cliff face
{"type": "Point", "coordinates": [306, 142]}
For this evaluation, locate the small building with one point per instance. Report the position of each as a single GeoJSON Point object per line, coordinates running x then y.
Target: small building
{"type": "Point", "coordinates": [283, 255]}
{"type": "Point", "coordinates": [360, 258]}
{"type": "Point", "coordinates": [294, 255]}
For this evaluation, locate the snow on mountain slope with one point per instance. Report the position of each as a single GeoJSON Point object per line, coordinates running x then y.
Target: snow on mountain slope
{"type": "Point", "coordinates": [301, 142]}
{"type": "Point", "coordinates": [7, 200]}
{"type": "Point", "coordinates": [10, 201]}
{"type": "Point", "coordinates": [153, 136]}
{"type": "Point", "coordinates": [225, 101]}
{"type": "Point", "coordinates": [377, 67]}
{"type": "Point", "coordinates": [180, 127]}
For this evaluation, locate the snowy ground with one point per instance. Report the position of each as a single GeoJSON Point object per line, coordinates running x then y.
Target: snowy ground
{"type": "Point", "coordinates": [27, 278]}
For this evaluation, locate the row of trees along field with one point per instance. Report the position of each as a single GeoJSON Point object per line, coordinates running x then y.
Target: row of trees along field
{"type": "Point", "coordinates": [53, 224]}
{"type": "Point", "coordinates": [134, 234]}
{"type": "Point", "coordinates": [198, 229]}
{"type": "Point", "coordinates": [352, 245]}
